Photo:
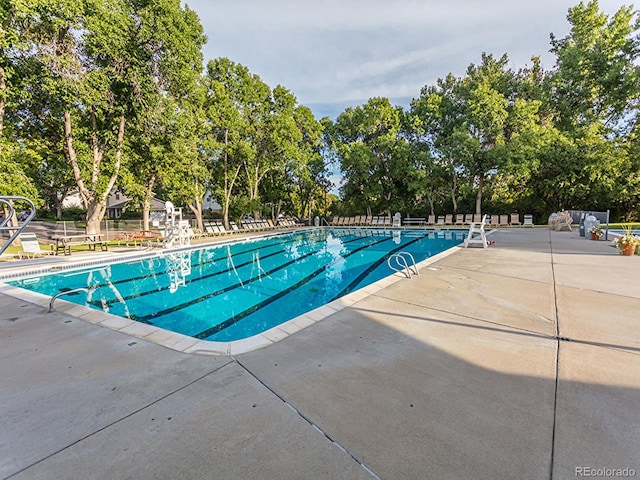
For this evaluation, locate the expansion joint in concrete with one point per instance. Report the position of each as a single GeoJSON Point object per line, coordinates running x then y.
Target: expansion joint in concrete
{"type": "Point", "coordinates": [109, 425]}
{"type": "Point", "coordinates": [311, 423]}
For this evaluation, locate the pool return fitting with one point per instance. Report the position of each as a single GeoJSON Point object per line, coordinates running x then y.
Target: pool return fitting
{"type": "Point", "coordinates": [402, 264]}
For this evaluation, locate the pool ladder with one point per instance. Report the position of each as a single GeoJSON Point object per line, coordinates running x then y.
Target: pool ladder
{"type": "Point", "coordinates": [402, 264]}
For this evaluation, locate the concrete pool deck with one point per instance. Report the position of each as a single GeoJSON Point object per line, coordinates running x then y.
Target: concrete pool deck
{"type": "Point", "coordinates": [517, 361]}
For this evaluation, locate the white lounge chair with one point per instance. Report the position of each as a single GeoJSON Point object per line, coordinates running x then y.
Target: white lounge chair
{"type": "Point", "coordinates": [476, 234]}
{"type": "Point", "coordinates": [31, 247]}
{"type": "Point", "coordinates": [528, 221]}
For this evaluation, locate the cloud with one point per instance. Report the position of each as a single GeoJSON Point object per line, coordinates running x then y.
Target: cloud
{"type": "Point", "coordinates": [332, 52]}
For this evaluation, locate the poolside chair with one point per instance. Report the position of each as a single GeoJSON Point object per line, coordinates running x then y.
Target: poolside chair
{"type": "Point", "coordinates": [31, 247]}
{"type": "Point", "coordinates": [459, 219]}
{"type": "Point", "coordinates": [440, 222]}
{"type": "Point", "coordinates": [528, 221]}
{"type": "Point", "coordinates": [397, 219]}
{"type": "Point", "coordinates": [476, 234]}
{"type": "Point", "coordinates": [431, 220]}
{"type": "Point", "coordinates": [448, 219]}
{"type": "Point", "coordinates": [468, 218]}
{"type": "Point", "coordinates": [515, 219]}
{"type": "Point", "coordinates": [477, 218]}
{"type": "Point", "coordinates": [504, 220]}
{"type": "Point", "coordinates": [493, 220]}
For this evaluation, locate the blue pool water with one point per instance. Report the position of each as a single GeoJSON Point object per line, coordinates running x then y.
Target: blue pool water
{"type": "Point", "coordinates": [236, 290]}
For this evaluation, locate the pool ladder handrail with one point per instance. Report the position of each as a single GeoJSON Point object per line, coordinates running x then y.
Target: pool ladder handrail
{"type": "Point", "coordinates": [402, 263]}
{"type": "Point", "coordinates": [7, 200]}
{"type": "Point", "coordinates": [66, 292]}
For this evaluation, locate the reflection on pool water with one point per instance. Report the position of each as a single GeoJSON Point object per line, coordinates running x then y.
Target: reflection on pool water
{"type": "Point", "coordinates": [235, 290]}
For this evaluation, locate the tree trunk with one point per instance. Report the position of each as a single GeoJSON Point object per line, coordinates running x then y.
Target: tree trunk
{"type": "Point", "coordinates": [96, 206]}
{"type": "Point", "coordinates": [146, 201]}
{"type": "Point", "coordinates": [95, 214]}
{"type": "Point", "coordinates": [432, 207]}
{"type": "Point", "coordinates": [454, 185]}
{"type": "Point", "coordinates": [3, 88]}
{"type": "Point", "coordinates": [479, 194]}
{"type": "Point", "coordinates": [58, 199]}
{"type": "Point", "coordinates": [228, 182]}
{"type": "Point", "coordinates": [196, 208]}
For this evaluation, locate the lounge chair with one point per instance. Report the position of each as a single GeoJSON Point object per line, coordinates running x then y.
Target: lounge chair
{"type": "Point", "coordinates": [448, 219]}
{"type": "Point", "coordinates": [468, 218]}
{"type": "Point", "coordinates": [504, 220]}
{"type": "Point", "coordinates": [440, 222]}
{"type": "Point", "coordinates": [459, 219]}
{"type": "Point", "coordinates": [515, 219]}
{"type": "Point", "coordinates": [431, 220]}
{"type": "Point", "coordinates": [528, 221]}
{"type": "Point", "coordinates": [31, 247]}
{"type": "Point", "coordinates": [494, 220]}
{"type": "Point", "coordinates": [476, 234]}
{"type": "Point", "coordinates": [397, 219]}
{"type": "Point", "coordinates": [477, 218]}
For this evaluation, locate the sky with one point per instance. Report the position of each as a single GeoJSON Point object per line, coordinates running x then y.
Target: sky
{"type": "Point", "coordinates": [334, 54]}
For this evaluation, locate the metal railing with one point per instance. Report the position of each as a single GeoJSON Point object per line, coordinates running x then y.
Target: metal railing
{"type": "Point", "coordinates": [402, 264]}
{"type": "Point", "coordinates": [22, 224]}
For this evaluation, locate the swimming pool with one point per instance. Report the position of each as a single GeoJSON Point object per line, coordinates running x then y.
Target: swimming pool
{"type": "Point", "coordinates": [239, 289]}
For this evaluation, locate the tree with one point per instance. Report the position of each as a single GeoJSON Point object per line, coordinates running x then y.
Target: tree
{"type": "Point", "coordinates": [105, 61]}
{"type": "Point", "coordinates": [596, 78]}
{"type": "Point", "coordinates": [594, 90]}
{"type": "Point", "coordinates": [373, 155]}
{"type": "Point", "coordinates": [231, 93]}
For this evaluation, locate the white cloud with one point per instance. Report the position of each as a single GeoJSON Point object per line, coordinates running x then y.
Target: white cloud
{"type": "Point", "coordinates": [329, 52]}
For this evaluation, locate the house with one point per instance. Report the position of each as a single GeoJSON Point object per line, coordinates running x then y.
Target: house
{"type": "Point", "coordinates": [116, 203]}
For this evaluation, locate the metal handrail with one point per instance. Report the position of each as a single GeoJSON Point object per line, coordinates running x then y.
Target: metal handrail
{"type": "Point", "coordinates": [402, 263]}
{"type": "Point", "coordinates": [66, 292]}
{"type": "Point", "coordinates": [7, 200]}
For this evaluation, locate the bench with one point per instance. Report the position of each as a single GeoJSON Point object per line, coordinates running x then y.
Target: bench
{"type": "Point", "coordinates": [64, 243]}
{"type": "Point", "coordinates": [414, 221]}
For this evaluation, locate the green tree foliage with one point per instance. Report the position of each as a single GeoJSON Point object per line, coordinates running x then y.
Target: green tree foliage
{"type": "Point", "coordinates": [102, 64]}
{"type": "Point", "coordinates": [595, 92]}
{"type": "Point", "coordinates": [373, 155]}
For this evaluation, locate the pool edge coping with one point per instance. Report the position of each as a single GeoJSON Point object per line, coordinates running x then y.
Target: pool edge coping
{"type": "Point", "coordinates": [190, 345]}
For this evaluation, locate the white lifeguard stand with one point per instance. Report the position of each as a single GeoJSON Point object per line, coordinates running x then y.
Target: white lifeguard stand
{"type": "Point", "coordinates": [177, 232]}
{"type": "Point", "coordinates": [476, 235]}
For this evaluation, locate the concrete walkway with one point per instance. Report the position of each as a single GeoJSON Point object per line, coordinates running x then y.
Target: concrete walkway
{"type": "Point", "coordinates": [517, 361]}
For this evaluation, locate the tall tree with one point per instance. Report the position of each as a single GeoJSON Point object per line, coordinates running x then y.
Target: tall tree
{"type": "Point", "coordinates": [105, 61]}
{"type": "Point", "coordinates": [373, 155]}
{"type": "Point", "coordinates": [594, 90]}
{"type": "Point", "coordinates": [231, 93]}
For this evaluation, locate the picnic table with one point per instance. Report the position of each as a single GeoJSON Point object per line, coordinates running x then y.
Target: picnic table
{"type": "Point", "coordinates": [65, 242]}
{"type": "Point", "coordinates": [142, 236]}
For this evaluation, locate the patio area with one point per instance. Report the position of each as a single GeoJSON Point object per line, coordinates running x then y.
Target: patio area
{"type": "Point", "coordinates": [517, 361]}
